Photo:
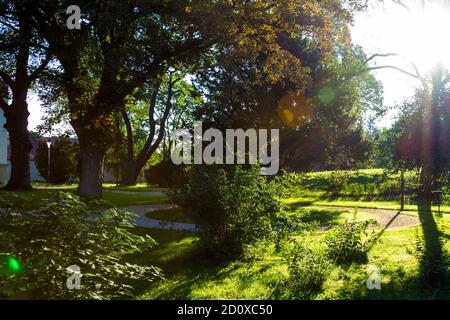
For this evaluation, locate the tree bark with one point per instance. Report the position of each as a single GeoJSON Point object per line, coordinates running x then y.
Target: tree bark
{"type": "Point", "coordinates": [134, 164]}
{"type": "Point", "coordinates": [425, 194]}
{"type": "Point", "coordinates": [17, 126]}
{"type": "Point", "coordinates": [91, 171]}
{"type": "Point", "coordinates": [402, 190]}
{"type": "Point", "coordinates": [17, 113]}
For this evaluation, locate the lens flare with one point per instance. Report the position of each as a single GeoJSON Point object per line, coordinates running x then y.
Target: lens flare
{"type": "Point", "coordinates": [295, 110]}
{"type": "Point", "coordinates": [326, 95]}
{"type": "Point", "coordinates": [13, 264]}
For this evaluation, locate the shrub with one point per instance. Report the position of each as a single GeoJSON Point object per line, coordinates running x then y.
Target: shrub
{"type": "Point", "coordinates": [350, 241]}
{"type": "Point", "coordinates": [38, 245]}
{"type": "Point", "coordinates": [308, 272]}
{"type": "Point", "coordinates": [287, 226]}
{"type": "Point", "coordinates": [63, 160]}
{"type": "Point", "coordinates": [231, 205]}
{"type": "Point", "coordinates": [163, 174]}
{"type": "Point", "coordinates": [288, 184]}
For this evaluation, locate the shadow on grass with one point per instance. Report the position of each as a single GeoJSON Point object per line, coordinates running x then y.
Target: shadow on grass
{"type": "Point", "coordinates": [326, 218]}
{"type": "Point", "coordinates": [433, 263]}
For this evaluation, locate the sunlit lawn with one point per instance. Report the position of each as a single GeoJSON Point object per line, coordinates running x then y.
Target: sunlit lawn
{"type": "Point", "coordinates": [192, 275]}
{"type": "Point", "coordinates": [318, 199]}
{"type": "Point", "coordinates": [174, 215]}
{"type": "Point", "coordinates": [140, 187]}
{"type": "Point", "coordinates": [33, 198]}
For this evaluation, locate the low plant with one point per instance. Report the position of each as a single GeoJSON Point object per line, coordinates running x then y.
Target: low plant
{"type": "Point", "coordinates": [307, 274]}
{"type": "Point", "coordinates": [350, 241]}
{"type": "Point", "coordinates": [39, 245]}
{"type": "Point", "coordinates": [233, 207]}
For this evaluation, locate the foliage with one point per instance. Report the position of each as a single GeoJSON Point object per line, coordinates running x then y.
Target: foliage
{"type": "Point", "coordinates": [163, 174]}
{"type": "Point", "coordinates": [63, 160]}
{"type": "Point", "coordinates": [233, 207]}
{"type": "Point", "coordinates": [286, 226]}
{"type": "Point", "coordinates": [345, 101]}
{"type": "Point", "coordinates": [307, 274]}
{"type": "Point", "coordinates": [352, 183]}
{"type": "Point", "coordinates": [63, 231]}
{"type": "Point", "coordinates": [350, 241]}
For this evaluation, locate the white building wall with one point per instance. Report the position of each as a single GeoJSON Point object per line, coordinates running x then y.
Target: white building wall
{"type": "Point", "coordinates": [3, 148]}
{"type": "Point", "coordinates": [3, 139]}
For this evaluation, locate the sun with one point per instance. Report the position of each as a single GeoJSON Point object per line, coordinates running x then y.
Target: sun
{"type": "Point", "coordinates": [421, 36]}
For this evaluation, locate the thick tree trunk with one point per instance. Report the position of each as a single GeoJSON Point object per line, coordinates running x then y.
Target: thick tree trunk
{"type": "Point", "coordinates": [425, 193]}
{"type": "Point", "coordinates": [91, 171]}
{"type": "Point", "coordinates": [17, 114]}
{"type": "Point", "coordinates": [134, 165]}
{"type": "Point", "coordinates": [129, 176]}
{"type": "Point", "coordinates": [17, 126]}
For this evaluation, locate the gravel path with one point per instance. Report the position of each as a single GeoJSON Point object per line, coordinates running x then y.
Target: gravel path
{"type": "Point", "coordinates": [388, 219]}
{"type": "Point", "coordinates": [146, 222]}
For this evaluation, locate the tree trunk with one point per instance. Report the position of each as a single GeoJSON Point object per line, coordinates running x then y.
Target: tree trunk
{"type": "Point", "coordinates": [425, 194]}
{"type": "Point", "coordinates": [17, 114]}
{"type": "Point", "coordinates": [402, 190]}
{"type": "Point", "coordinates": [17, 126]}
{"type": "Point", "coordinates": [129, 176]}
{"type": "Point", "coordinates": [91, 171]}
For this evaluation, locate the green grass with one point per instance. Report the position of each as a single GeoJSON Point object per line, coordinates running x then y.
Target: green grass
{"type": "Point", "coordinates": [139, 187]}
{"type": "Point", "coordinates": [317, 199]}
{"type": "Point", "coordinates": [190, 275]}
{"type": "Point", "coordinates": [173, 215]}
{"type": "Point", "coordinates": [329, 218]}
{"type": "Point", "coordinates": [120, 200]}
{"type": "Point", "coordinates": [34, 198]}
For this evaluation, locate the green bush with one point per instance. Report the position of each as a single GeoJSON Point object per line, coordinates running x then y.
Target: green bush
{"type": "Point", "coordinates": [288, 184]}
{"type": "Point", "coordinates": [163, 174]}
{"type": "Point", "coordinates": [307, 274]}
{"type": "Point", "coordinates": [285, 227]}
{"type": "Point", "coordinates": [38, 245]}
{"type": "Point", "coordinates": [350, 241]}
{"type": "Point", "coordinates": [354, 184]}
{"type": "Point", "coordinates": [232, 206]}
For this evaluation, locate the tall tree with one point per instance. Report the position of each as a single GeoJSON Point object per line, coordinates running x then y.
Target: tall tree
{"type": "Point", "coordinates": [424, 140]}
{"type": "Point", "coordinates": [123, 44]}
{"type": "Point", "coordinates": [22, 59]}
{"type": "Point", "coordinates": [168, 96]}
{"type": "Point", "coordinates": [120, 46]}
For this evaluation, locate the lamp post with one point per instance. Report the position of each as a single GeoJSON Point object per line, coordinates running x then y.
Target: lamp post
{"type": "Point", "coordinates": [49, 143]}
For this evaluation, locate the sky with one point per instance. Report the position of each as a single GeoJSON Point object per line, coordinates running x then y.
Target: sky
{"type": "Point", "coordinates": [418, 38]}
{"type": "Point", "coordinates": [384, 28]}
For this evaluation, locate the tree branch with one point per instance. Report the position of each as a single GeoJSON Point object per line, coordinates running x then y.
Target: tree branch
{"type": "Point", "coordinates": [150, 146]}
{"type": "Point", "coordinates": [7, 78]}
{"type": "Point", "coordinates": [395, 68]}
{"type": "Point", "coordinates": [33, 76]}
{"type": "Point", "coordinates": [400, 3]}
{"type": "Point", "coordinates": [381, 55]}
{"type": "Point", "coordinates": [130, 142]}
